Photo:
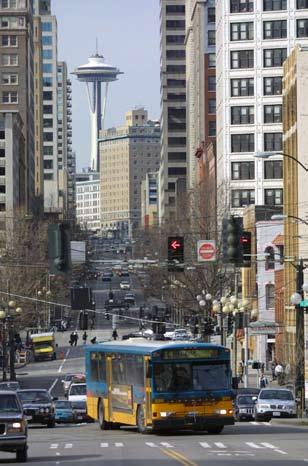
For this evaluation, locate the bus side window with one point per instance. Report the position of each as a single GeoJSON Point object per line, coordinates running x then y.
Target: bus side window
{"type": "Point", "coordinates": [94, 367]}
{"type": "Point", "coordinates": [102, 367]}
{"type": "Point", "coordinates": [118, 369]}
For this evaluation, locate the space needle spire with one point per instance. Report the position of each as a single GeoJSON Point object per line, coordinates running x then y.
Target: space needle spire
{"type": "Point", "coordinates": [94, 74]}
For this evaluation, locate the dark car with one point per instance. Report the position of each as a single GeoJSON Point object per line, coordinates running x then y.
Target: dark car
{"type": "Point", "coordinates": [244, 406]}
{"type": "Point", "coordinates": [38, 406]}
{"type": "Point", "coordinates": [80, 411]}
{"type": "Point", "coordinates": [129, 298]}
{"type": "Point", "coordinates": [13, 426]}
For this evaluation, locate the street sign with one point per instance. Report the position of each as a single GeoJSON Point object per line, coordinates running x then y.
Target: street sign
{"type": "Point", "coordinates": [206, 251]}
{"type": "Point", "coordinates": [304, 303]}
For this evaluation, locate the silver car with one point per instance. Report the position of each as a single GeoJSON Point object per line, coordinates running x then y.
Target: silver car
{"type": "Point", "coordinates": [275, 402]}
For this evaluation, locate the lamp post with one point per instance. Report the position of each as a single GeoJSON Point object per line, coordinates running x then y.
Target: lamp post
{"type": "Point", "coordinates": [46, 293]}
{"type": "Point", "coordinates": [268, 154]}
{"type": "Point", "coordinates": [222, 308]}
{"type": "Point", "coordinates": [7, 317]}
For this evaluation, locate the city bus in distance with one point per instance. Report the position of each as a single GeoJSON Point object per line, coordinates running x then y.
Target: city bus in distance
{"type": "Point", "coordinates": [159, 385]}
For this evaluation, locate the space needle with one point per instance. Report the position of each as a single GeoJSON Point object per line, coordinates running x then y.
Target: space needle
{"type": "Point", "coordinates": [94, 73]}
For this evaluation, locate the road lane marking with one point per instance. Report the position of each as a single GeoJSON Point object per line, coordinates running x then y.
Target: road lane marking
{"type": "Point", "coordinates": [269, 445]}
{"type": "Point", "coordinates": [253, 445]}
{"type": "Point", "coordinates": [58, 454]}
{"type": "Point", "coordinates": [53, 385]}
{"type": "Point", "coordinates": [204, 445]}
{"type": "Point", "coordinates": [68, 445]}
{"type": "Point", "coordinates": [166, 445]}
{"type": "Point", "coordinates": [151, 444]}
{"type": "Point", "coordinates": [220, 445]}
{"type": "Point", "coordinates": [253, 423]}
{"type": "Point", "coordinates": [104, 445]}
{"type": "Point", "coordinates": [178, 457]}
{"type": "Point", "coordinates": [119, 444]}
{"type": "Point", "coordinates": [54, 446]}
{"type": "Point", "coordinates": [64, 361]}
{"type": "Point", "coordinates": [281, 452]}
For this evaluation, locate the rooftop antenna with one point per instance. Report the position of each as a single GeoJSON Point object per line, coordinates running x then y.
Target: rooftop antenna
{"type": "Point", "coordinates": [96, 46]}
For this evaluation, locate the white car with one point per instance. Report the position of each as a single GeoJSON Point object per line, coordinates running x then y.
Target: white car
{"type": "Point", "coordinates": [125, 285]}
{"type": "Point", "coordinates": [177, 334]}
{"type": "Point", "coordinates": [275, 402]}
{"type": "Point", "coordinates": [77, 392]}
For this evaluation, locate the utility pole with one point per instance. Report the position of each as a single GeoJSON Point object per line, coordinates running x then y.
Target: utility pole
{"type": "Point", "coordinates": [300, 342]}
{"type": "Point", "coordinates": [234, 325]}
{"type": "Point", "coordinates": [4, 352]}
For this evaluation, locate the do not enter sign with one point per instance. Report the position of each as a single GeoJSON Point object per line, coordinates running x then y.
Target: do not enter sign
{"type": "Point", "coordinates": [206, 251]}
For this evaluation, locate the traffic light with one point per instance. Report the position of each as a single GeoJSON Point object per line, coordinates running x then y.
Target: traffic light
{"type": "Point", "coordinates": [59, 248]}
{"type": "Point", "coordinates": [236, 243]}
{"type": "Point", "coordinates": [224, 239]}
{"type": "Point", "coordinates": [245, 241]}
{"type": "Point", "coordinates": [175, 253]}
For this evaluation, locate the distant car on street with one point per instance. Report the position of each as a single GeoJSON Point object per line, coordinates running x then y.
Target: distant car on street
{"type": "Point", "coordinates": [244, 406]}
{"type": "Point", "coordinates": [275, 402]}
{"type": "Point", "coordinates": [13, 426]}
{"type": "Point", "coordinates": [64, 413]}
{"type": "Point", "coordinates": [77, 392]}
{"type": "Point", "coordinates": [107, 276]}
{"type": "Point", "coordinates": [125, 285]}
{"type": "Point", "coordinates": [177, 334]}
{"type": "Point", "coordinates": [38, 406]}
{"type": "Point", "coordinates": [9, 386]}
{"type": "Point", "coordinates": [66, 382]}
{"type": "Point", "coordinates": [129, 298]}
{"type": "Point", "coordinates": [80, 411]}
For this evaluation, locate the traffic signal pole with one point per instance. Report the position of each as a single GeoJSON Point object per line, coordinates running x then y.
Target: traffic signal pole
{"type": "Point", "coordinates": [300, 342]}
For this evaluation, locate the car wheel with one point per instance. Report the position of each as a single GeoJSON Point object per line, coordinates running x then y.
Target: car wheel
{"type": "Point", "coordinates": [214, 430]}
{"type": "Point", "coordinates": [51, 424]}
{"type": "Point", "coordinates": [22, 455]}
{"type": "Point", "coordinates": [104, 425]}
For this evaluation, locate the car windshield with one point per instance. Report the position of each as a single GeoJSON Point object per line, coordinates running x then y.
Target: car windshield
{"type": "Point", "coordinates": [276, 395]}
{"type": "Point", "coordinates": [68, 377]}
{"type": "Point", "coordinates": [245, 399]}
{"type": "Point", "coordinates": [34, 397]}
{"type": "Point", "coordinates": [9, 403]}
{"type": "Point", "coordinates": [79, 405]}
{"type": "Point", "coordinates": [78, 390]}
{"type": "Point", "coordinates": [178, 377]}
{"type": "Point", "coordinates": [63, 405]}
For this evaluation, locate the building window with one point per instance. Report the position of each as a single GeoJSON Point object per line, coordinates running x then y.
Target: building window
{"type": "Point", "coordinates": [302, 4]}
{"type": "Point", "coordinates": [270, 295]}
{"type": "Point", "coordinates": [272, 85]}
{"type": "Point", "coordinates": [48, 164]}
{"type": "Point", "coordinates": [177, 156]}
{"type": "Point", "coordinates": [242, 87]}
{"type": "Point", "coordinates": [212, 60]}
{"type": "Point", "coordinates": [48, 176]}
{"type": "Point", "coordinates": [46, 26]}
{"type": "Point", "coordinates": [174, 24]}
{"type": "Point", "coordinates": [242, 142]}
{"type": "Point", "coordinates": [242, 197]}
{"type": "Point", "coordinates": [10, 97]}
{"type": "Point", "coordinates": [273, 196]}
{"type": "Point", "coordinates": [273, 169]}
{"type": "Point", "coordinates": [211, 37]}
{"type": "Point", "coordinates": [47, 109]}
{"type": "Point", "coordinates": [275, 29]}
{"type": "Point", "coordinates": [9, 41]}
{"type": "Point", "coordinates": [9, 79]}
{"type": "Point", "coordinates": [274, 57]}
{"type": "Point", "coordinates": [242, 59]}
{"type": "Point", "coordinates": [211, 15]}
{"type": "Point", "coordinates": [175, 9]}
{"type": "Point", "coordinates": [47, 137]}
{"type": "Point", "coordinates": [272, 113]}
{"type": "Point", "coordinates": [212, 106]}
{"type": "Point", "coordinates": [48, 150]}
{"type": "Point", "coordinates": [272, 142]}
{"type": "Point", "coordinates": [47, 81]}
{"type": "Point", "coordinates": [175, 39]}
{"type": "Point", "coordinates": [241, 31]}
{"type": "Point", "coordinates": [47, 54]}
{"type": "Point", "coordinates": [47, 123]}
{"type": "Point", "coordinates": [243, 170]}
{"type": "Point", "coordinates": [274, 5]}
{"type": "Point", "coordinates": [47, 40]}
{"type": "Point", "coordinates": [212, 128]}
{"type": "Point", "coordinates": [177, 69]}
{"type": "Point", "coordinates": [47, 68]}
{"type": "Point", "coordinates": [302, 28]}
{"type": "Point", "coordinates": [211, 84]}
{"type": "Point", "coordinates": [10, 59]}
{"type": "Point", "coordinates": [176, 119]}
{"type": "Point", "coordinates": [47, 95]}
{"type": "Point", "coordinates": [174, 141]}
{"type": "Point", "coordinates": [175, 171]}
{"type": "Point", "coordinates": [242, 115]}
{"type": "Point", "coordinates": [241, 6]}
{"type": "Point", "coordinates": [176, 83]}
{"type": "Point", "coordinates": [175, 54]}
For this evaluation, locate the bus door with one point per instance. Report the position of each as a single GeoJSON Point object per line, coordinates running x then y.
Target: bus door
{"type": "Point", "coordinates": [148, 390]}
{"type": "Point", "coordinates": [109, 386]}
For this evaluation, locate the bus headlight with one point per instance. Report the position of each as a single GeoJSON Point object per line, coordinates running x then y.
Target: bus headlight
{"type": "Point", "coordinates": [221, 411]}
{"type": "Point", "coordinates": [166, 413]}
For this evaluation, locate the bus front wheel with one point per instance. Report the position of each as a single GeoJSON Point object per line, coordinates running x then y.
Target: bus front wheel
{"type": "Point", "coordinates": [214, 430]}
{"type": "Point", "coordinates": [101, 417]}
{"type": "Point", "coordinates": [141, 420]}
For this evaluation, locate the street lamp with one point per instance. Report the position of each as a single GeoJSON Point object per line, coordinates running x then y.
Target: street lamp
{"type": "Point", "coordinates": [284, 216]}
{"type": "Point", "coordinates": [46, 293]}
{"type": "Point", "coordinates": [268, 154]}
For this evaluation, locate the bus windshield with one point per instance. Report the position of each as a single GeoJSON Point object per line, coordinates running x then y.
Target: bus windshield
{"type": "Point", "coordinates": [190, 376]}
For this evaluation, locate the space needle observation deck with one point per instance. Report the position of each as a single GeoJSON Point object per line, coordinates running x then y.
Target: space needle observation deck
{"type": "Point", "coordinates": [94, 73]}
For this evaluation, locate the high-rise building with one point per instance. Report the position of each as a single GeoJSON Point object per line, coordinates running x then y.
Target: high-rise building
{"type": "Point", "coordinates": [88, 200]}
{"type": "Point", "coordinates": [50, 104]}
{"type": "Point", "coordinates": [173, 105]}
{"type": "Point", "coordinates": [253, 39]}
{"type": "Point", "coordinates": [200, 82]}
{"type": "Point", "coordinates": [127, 154]}
{"type": "Point", "coordinates": [17, 96]}
{"type": "Point", "coordinates": [94, 73]}
{"type": "Point", "coordinates": [149, 200]}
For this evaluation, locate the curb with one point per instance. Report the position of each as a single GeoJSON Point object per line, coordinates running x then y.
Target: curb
{"type": "Point", "coordinates": [290, 422]}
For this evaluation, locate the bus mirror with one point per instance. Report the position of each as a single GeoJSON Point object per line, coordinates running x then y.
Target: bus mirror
{"type": "Point", "coordinates": [149, 372]}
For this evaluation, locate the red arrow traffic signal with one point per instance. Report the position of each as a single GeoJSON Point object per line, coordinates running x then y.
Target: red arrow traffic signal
{"type": "Point", "coordinates": [175, 245]}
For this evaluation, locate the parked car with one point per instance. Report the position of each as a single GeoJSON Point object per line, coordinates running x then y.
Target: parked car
{"type": "Point", "coordinates": [125, 285]}
{"type": "Point", "coordinates": [129, 298]}
{"type": "Point", "coordinates": [275, 402]}
{"type": "Point", "coordinates": [80, 412]}
{"type": "Point", "coordinates": [244, 406]}
{"type": "Point", "coordinates": [64, 412]}
{"type": "Point", "coordinates": [38, 406]}
{"type": "Point", "coordinates": [13, 426]}
{"type": "Point", "coordinates": [77, 392]}
{"type": "Point", "coordinates": [177, 334]}
{"type": "Point", "coordinates": [10, 386]}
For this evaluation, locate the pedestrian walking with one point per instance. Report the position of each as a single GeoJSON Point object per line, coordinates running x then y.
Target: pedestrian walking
{"type": "Point", "coordinates": [84, 337]}
{"type": "Point", "coordinates": [115, 334]}
{"type": "Point", "coordinates": [279, 372]}
{"type": "Point", "coordinates": [75, 338]}
{"type": "Point", "coordinates": [240, 371]}
{"type": "Point", "coordinates": [71, 340]}
{"type": "Point", "coordinates": [273, 365]}
{"type": "Point", "coordinates": [263, 381]}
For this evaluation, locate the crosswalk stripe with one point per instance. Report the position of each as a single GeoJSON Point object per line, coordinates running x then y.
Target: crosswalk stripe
{"type": "Point", "coordinates": [166, 445]}
{"type": "Point", "coordinates": [254, 423]}
{"type": "Point", "coordinates": [68, 445]}
{"type": "Point", "coordinates": [119, 444]}
{"type": "Point", "coordinates": [268, 445]}
{"type": "Point", "coordinates": [54, 445]}
{"type": "Point", "coordinates": [204, 445]}
{"type": "Point", "coordinates": [220, 445]}
{"type": "Point", "coordinates": [104, 445]}
{"type": "Point", "coordinates": [280, 451]}
{"type": "Point", "coordinates": [151, 444]}
{"type": "Point", "coordinates": [253, 445]}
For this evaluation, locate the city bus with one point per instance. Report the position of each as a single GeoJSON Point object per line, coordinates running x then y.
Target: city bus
{"type": "Point", "coordinates": [158, 385]}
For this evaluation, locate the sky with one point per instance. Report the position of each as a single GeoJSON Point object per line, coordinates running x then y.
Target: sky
{"type": "Point", "coordinates": [128, 37]}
